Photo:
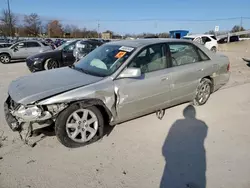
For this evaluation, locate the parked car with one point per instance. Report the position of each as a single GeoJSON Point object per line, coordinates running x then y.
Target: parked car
{"type": "Point", "coordinates": [84, 47]}
{"type": "Point", "coordinates": [209, 41]}
{"type": "Point", "coordinates": [116, 82]}
{"type": "Point", "coordinates": [22, 50]}
{"type": "Point", "coordinates": [231, 39]}
{"type": "Point", "coordinates": [60, 57]}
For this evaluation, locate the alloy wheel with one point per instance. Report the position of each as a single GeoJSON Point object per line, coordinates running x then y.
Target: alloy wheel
{"type": "Point", "coordinates": [204, 92]}
{"type": "Point", "coordinates": [82, 125]}
{"type": "Point", "coordinates": [5, 59]}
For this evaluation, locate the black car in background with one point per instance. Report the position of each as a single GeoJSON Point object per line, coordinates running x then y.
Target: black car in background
{"type": "Point", "coordinates": [60, 57]}
{"type": "Point", "coordinates": [231, 39]}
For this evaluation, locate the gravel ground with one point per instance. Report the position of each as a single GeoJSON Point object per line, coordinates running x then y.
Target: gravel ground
{"type": "Point", "coordinates": [214, 145]}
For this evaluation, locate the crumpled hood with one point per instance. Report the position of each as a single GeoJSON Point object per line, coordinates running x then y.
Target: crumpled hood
{"type": "Point", "coordinates": [40, 85]}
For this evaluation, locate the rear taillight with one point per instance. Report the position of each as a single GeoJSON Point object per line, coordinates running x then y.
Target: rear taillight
{"type": "Point", "coordinates": [228, 67]}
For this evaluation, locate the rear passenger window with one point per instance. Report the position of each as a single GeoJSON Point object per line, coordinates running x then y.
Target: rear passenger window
{"type": "Point", "coordinates": [182, 54]}
{"type": "Point", "coordinates": [203, 56]}
{"type": "Point", "coordinates": [33, 44]}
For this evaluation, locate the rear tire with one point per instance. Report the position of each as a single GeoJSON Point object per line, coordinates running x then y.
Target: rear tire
{"type": "Point", "coordinates": [214, 49]}
{"type": "Point", "coordinates": [50, 64]}
{"type": "Point", "coordinates": [203, 92]}
{"type": "Point", "coordinates": [73, 129]}
{"type": "Point", "coordinates": [5, 58]}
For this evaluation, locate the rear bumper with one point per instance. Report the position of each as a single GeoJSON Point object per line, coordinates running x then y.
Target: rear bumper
{"type": "Point", "coordinates": [221, 80]}
{"type": "Point", "coordinates": [10, 119]}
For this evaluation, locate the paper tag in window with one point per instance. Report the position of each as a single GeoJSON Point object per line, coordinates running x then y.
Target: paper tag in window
{"type": "Point", "coordinates": [120, 55]}
{"type": "Point", "coordinates": [126, 49]}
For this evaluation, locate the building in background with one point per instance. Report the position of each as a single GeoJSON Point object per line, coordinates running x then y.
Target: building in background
{"type": "Point", "coordinates": [106, 35]}
{"type": "Point", "coordinates": [178, 33]}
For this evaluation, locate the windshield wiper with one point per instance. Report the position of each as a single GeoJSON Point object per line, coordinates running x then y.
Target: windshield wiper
{"type": "Point", "coordinates": [85, 71]}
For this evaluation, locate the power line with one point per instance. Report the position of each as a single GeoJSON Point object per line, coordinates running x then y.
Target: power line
{"type": "Point", "coordinates": [156, 19]}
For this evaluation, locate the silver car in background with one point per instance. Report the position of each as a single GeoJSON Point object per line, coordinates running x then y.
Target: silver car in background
{"type": "Point", "coordinates": [116, 82]}
{"type": "Point", "coordinates": [22, 50]}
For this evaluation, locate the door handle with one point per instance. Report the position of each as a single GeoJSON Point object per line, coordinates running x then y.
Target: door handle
{"type": "Point", "coordinates": [164, 79]}
{"type": "Point", "coordinates": [200, 69]}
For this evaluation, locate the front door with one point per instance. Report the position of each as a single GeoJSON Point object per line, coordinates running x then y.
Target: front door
{"type": "Point", "coordinates": [19, 50]}
{"type": "Point", "coordinates": [67, 54]}
{"type": "Point", "coordinates": [151, 91]}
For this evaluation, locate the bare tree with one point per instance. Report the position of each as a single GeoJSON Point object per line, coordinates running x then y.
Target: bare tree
{"type": "Point", "coordinates": [55, 29]}
{"type": "Point", "coordinates": [32, 24]}
{"type": "Point", "coordinates": [237, 28]}
{"type": "Point", "coordinates": [8, 23]}
{"type": "Point", "coordinates": [67, 28]}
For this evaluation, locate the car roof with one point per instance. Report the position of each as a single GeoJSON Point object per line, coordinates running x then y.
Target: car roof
{"type": "Point", "coordinates": [143, 42]}
{"type": "Point", "coordinates": [198, 35]}
{"type": "Point", "coordinates": [28, 41]}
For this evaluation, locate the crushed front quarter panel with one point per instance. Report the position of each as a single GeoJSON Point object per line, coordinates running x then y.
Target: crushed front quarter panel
{"type": "Point", "coordinates": [102, 90]}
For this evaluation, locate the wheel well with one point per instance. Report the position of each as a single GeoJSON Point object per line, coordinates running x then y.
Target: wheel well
{"type": "Point", "coordinates": [212, 81]}
{"type": "Point", "coordinates": [104, 113]}
{"type": "Point", "coordinates": [107, 116]}
{"type": "Point", "coordinates": [5, 53]}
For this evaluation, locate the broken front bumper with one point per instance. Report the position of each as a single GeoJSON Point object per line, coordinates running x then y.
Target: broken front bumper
{"type": "Point", "coordinates": [11, 120]}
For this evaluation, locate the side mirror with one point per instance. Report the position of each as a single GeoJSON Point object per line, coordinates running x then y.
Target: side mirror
{"type": "Point", "coordinates": [130, 73]}
{"type": "Point", "coordinates": [15, 49]}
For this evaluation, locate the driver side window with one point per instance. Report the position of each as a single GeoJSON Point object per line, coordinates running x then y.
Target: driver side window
{"type": "Point", "coordinates": [150, 59]}
{"type": "Point", "coordinates": [19, 45]}
{"type": "Point", "coordinates": [69, 47]}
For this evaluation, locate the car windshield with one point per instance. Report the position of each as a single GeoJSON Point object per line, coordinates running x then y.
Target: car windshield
{"type": "Point", "coordinates": [64, 44]}
{"type": "Point", "coordinates": [104, 60]}
{"type": "Point", "coordinates": [188, 38]}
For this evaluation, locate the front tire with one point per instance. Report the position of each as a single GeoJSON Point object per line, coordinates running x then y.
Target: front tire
{"type": "Point", "coordinates": [78, 126]}
{"type": "Point", "coordinates": [5, 58]}
{"type": "Point", "coordinates": [203, 92]}
{"type": "Point", "coordinates": [50, 64]}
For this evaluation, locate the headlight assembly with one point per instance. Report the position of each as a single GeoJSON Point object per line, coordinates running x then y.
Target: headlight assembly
{"type": "Point", "coordinates": [28, 113]}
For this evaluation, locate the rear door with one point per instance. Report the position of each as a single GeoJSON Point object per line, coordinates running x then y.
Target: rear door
{"type": "Point", "coordinates": [187, 68]}
{"type": "Point", "coordinates": [149, 92]}
{"type": "Point", "coordinates": [33, 48]}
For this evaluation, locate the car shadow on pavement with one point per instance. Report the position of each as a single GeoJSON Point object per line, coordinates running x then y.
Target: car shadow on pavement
{"type": "Point", "coordinates": [184, 153]}
{"type": "Point", "coordinates": [50, 131]}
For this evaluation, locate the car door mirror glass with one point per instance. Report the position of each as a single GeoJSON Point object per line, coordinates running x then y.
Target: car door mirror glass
{"type": "Point", "coordinates": [130, 73]}
{"type": "Point", "coordinates": [15, 48]}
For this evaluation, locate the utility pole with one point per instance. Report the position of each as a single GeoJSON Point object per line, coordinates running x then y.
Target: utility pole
{"type": "Point", "coordinates": [10, 21]}
{"type": "Point", "coordinates": [98, 26]}
{"type": "Point", "coordinates": [241, 23]}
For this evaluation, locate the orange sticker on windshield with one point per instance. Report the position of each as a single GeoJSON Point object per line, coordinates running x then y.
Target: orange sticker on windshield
{"type": "Point", "coordinates": [120, 54]}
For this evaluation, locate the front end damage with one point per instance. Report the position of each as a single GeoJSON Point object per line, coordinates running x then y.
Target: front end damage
{"type": "Point", "coordinates": [18, 115]}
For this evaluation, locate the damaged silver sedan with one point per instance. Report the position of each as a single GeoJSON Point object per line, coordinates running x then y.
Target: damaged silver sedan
{"type": "Point", "coordinates": [114, 83]}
